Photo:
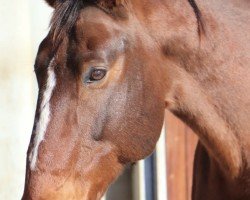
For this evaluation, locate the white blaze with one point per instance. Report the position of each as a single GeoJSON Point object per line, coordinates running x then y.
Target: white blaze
{"type": "Point", "coordinates": [43, 121]}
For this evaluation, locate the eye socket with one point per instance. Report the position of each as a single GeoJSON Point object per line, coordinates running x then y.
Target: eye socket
{"type": "Point", "coordinates": [96, 74]}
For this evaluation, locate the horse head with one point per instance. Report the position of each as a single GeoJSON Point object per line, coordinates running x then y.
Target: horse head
{"type": "Point", "coordinates": [101, 100]}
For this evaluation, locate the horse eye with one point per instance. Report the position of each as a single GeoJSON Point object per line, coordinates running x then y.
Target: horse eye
{"type": "Point", "coordinates": [97, 74]}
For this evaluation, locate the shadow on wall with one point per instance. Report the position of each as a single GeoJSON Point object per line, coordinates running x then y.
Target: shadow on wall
{"type": "Point", "coordinates": [122, 188]}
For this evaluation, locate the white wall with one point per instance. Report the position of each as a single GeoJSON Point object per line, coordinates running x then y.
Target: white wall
{"type": "Point", "coordinates": [23, 24]}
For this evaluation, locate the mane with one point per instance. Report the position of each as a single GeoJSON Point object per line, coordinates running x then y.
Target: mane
{"type": "Point", "coordinates": [64, 18]}
{"type": "Point", "coordinates": [67, 12]}
{"type": "Point", "coordinates": [198, 15]}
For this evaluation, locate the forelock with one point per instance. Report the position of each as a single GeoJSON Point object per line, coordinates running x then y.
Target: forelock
{"type": "Point", "coordinates": [65, 16]}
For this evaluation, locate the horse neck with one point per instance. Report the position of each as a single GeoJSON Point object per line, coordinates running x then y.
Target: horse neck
{"type": "Point", "coordinates": [197, 71]}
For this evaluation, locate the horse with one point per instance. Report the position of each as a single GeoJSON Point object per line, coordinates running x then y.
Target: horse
{"type": "Point", "coordinates": [108, 70]}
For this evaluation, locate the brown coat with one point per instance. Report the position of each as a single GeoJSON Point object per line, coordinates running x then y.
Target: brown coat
{"type": "Point", "coordinates": [116, 66]}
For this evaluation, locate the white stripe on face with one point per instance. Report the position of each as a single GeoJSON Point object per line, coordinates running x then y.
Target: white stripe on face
{"type": "Point", "coordinates": [44, 118]}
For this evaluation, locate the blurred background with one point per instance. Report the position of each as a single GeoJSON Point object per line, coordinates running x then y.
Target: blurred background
{"type": "Point", "coordinates": [167, 174]}
{"type": "Point", "coordinates": [24, 23]}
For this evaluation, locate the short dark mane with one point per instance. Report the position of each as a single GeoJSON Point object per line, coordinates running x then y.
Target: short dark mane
{"type": "Point", "coordinates": [64, 18]}
{"type": "Point", "coordinates": [198, 16]}
{"type": "Point", "coordinates": [67, 11]}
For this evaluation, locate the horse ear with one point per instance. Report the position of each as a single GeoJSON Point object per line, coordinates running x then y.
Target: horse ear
{"type": "Point", "coordinates": [51, 2]}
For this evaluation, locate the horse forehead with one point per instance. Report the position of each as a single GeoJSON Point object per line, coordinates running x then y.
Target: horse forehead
{"type": "Point", "coordinates": [94, 17]}
{"type": "Point", "coordinates": [99, 31]}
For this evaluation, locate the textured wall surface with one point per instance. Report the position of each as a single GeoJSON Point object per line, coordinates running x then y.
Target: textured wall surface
{"type": "Point", "coordinates": [23, 25]}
